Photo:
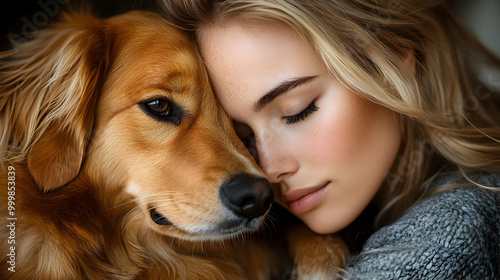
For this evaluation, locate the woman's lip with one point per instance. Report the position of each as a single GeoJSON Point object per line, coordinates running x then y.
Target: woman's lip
{"type": "Point", "coordinates": [308, 201]}
{"type": "Point", "coordinates": [297, 194]}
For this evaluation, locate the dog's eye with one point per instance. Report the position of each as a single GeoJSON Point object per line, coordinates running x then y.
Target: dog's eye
{"type": "Point", "coordinates": [162, 109]}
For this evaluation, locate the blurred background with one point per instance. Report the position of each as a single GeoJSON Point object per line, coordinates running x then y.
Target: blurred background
{"type": "Point", "coordinates": [483, 18]}
{"type": "Point", "coordinates": [20, 17]}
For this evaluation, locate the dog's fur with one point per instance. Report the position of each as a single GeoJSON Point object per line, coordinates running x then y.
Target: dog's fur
{"type": "Point", "coordinates": [90, 162]}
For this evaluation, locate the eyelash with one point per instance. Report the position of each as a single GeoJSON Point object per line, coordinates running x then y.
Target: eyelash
{"type": "Point", "coordinates": [302, 115]}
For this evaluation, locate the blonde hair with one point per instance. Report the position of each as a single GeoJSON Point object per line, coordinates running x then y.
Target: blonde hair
{"type": "Point", "coordinates": [441, 103]}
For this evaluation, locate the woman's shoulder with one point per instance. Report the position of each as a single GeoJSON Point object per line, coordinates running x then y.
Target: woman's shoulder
{"type": "Point", "coordinates": [457, 212]}
{"type": "Point", "coordinates": [458, 202]}
{"type": "Point", "coordinates": [453, 233]}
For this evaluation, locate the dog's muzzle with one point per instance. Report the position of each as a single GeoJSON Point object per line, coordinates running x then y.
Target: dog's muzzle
{"type": "Point", "coordinates": [247, 196]}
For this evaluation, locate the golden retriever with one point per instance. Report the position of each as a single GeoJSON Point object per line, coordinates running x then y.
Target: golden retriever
{"type": "Point", "coordinates": [120, 164]}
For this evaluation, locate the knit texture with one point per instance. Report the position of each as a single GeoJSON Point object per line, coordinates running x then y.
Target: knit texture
{"type": "Point", "coordinates": [451, 235]}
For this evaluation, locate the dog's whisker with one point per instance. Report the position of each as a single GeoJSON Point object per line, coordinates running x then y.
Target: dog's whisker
{"type": "Point", "coordinates": [141, 212]}
{"type": "Point", "coordinates": [235, 238]}
{"type": "Point", "coordinates": [193, 247]}
{"type": "Point", "coordinates": [146, 196]}
{"type": "Point", "coordinates": [128, 213]}
{"type": "Point", "coordinates": [124, 227]}
{"type": "Point", "coordinates": [224, 246]}
{"type": "Point", "coordinates": [123, 230]}
{"type": "Point", "coordinates": [170, 201]}
{"type": "Point", "coordinates": [131, 210]}
{"type": "Point", "coordinates": [269, 223]}
{"type": "Point", "coordinates": [161, 200]}
{"type": "Point", "coordinates": [171, 242]}
{"type": "Point", "coordinates": [139, 205]}
{"type": "Point", "coordinates": [208, 210]}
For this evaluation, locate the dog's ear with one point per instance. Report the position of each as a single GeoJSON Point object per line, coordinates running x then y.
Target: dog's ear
{"type": "Point", "coordinates": [54, 82]}
{"type": "Point", "coordinates": [56, 157]}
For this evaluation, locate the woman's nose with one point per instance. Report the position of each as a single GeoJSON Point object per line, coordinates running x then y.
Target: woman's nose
{"type": "Point", "coordinates": [276, 159]}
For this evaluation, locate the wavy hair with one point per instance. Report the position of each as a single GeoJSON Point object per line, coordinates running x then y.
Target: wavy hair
{"type": "Point", "coordinates": [447, 113]}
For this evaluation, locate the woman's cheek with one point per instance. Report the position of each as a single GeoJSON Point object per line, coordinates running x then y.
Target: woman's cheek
{"type": "Point", "coordinates": [334, 136]}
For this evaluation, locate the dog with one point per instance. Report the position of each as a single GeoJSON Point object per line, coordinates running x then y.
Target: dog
{"type": "Point", "coordinates": [120, 163]}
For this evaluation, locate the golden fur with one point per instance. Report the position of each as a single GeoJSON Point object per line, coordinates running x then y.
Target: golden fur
{"type": "Point", "coordinates": [90, 163]}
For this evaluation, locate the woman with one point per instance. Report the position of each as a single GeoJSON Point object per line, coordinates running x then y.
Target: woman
{"type": "Point", "coordinates": [365, 107]}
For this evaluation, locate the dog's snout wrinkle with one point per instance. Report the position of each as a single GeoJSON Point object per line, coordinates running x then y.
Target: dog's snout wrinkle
{"type": "Point", "coordinates": [247, 196]}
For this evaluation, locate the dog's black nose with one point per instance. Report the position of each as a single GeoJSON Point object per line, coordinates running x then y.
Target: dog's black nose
{"type": "Point", "coordinates": [247, 196]}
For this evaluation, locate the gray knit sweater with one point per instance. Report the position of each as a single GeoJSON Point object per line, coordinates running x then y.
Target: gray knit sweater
{"type": "Point", "coordinates": [451, 235]}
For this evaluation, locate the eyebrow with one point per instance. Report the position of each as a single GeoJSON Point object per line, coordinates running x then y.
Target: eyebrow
{"type": "Point", "coordinates": [280, 90]}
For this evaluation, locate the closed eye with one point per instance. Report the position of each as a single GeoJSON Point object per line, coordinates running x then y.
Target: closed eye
{"type": "Point", "coordinates": [163, 109]}
{"type": "Point", "coordinates": [302, 115]}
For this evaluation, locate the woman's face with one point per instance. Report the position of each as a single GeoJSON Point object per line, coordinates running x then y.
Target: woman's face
{"type": "Point", "coordinates": [328, 149]}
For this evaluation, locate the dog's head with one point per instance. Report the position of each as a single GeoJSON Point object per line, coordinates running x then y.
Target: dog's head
{"type": "Point", "coordinates": [126, 103]}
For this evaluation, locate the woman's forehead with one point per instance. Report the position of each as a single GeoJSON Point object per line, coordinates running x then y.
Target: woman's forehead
{"type": "Point", "coordinates": [243, 64]}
